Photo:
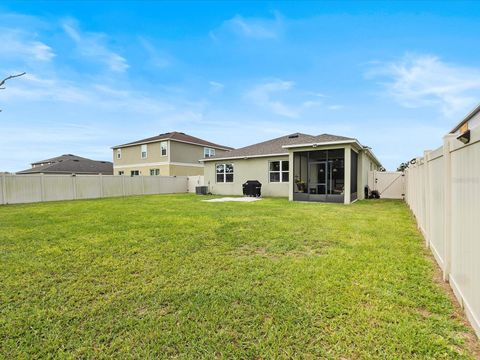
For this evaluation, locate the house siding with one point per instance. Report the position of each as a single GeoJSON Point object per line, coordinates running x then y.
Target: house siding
{"type": "Point", "coordinates": [182, 159]}
{"type": "Point", "coordinates": [243, 170]}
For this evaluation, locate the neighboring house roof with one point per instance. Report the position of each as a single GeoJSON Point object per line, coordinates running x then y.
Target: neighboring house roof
{"type": "Point", "coordinates": [58, 159]}
{"type": "Point", "coordinates": [70, 164]}
{"type": "Point", "coordinates": [473, 116]}
{"type": "Point", "coordinates": [175, 136]}
{"type": "Point", "coordinates": [277, 146]}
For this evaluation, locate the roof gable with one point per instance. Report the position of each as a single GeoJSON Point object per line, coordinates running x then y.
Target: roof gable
{"type": "Point", "coordinates": [176, 136]}
{"type": "Point", "coordinates": [276, 146]}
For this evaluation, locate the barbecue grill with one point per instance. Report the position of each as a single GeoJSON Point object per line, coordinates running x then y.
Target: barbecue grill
{"type": "Point", "coordinates": [252, 188]}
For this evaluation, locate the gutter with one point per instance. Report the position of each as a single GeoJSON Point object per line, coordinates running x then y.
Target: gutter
{"type": "Point", "coordinates": [240, 157]}
{"type": "Point", "coordinates": [169, 139]}
{"type": "Point", "coordinates": [353, 141]}
{"type": "Point", "coordinates": [466, 118]}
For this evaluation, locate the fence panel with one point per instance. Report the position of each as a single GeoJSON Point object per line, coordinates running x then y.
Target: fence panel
{"type": "Point", "coordinates": [436, 210]}
{"type": "Point", "coordinates": [465, 236]}
{"type": "Point", "coordinates": [113, 185]}
{"type": "Point", "coordinates": [35, 188]}
{"type": "Point", "coordinates": [57, 188]}
{"type": "Point", "coordinates": [2, 189]}
{"type": "Point", "coordinates": [88, 186]}
{"type": "Point", "coordinates": [390, 184]}
{"type": "Point", "coordinates": [23, 189]}
{"type": "Point", "coordinates": [443, 192]}
{"type": "Point", "coordinates": [194, 181]}
{"type": "Point", "coordinates": [133, 185]}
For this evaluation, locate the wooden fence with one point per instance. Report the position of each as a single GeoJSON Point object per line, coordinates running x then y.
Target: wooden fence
{"type": "Point", "coordinates": [36, 188]}
{"type": "Point", "coordinates": [443, 192]}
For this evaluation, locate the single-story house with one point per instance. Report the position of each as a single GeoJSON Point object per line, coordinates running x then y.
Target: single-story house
{"type": "Point", "coordinates": [70, 164]}
{"type": "Point", "coordinates": [327, 168]}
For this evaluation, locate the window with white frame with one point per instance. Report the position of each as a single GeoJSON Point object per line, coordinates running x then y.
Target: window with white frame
{"type": "Point", "coordinates": [119, 153]}
{"type": "Point", "coordinates": [154, 172]}
{"type": "Point", "coordinates": [278, 171]}
{"type": "Point", "coordinates": [144, 151]}
{"type": "Point", "coordinates": [121, 172]}
{"type": "Point", "coordinates": [224, 173]}
{"type": "Point", "coordinates": [134, 173]}
{"type": "Point", "coordinates": [208, 152]}
{"type": "Point", "coordinates": [163, 148]}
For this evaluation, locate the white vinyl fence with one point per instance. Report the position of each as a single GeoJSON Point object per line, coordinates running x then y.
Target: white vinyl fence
{"type": "Point", "coordinates": [389, 184]}
{"type": "Point", "coordinates": [36, 188]}
{"type": "Point", "coordinates": [443, 192]}
{"type": "Point", "coordinates": [194, 181]}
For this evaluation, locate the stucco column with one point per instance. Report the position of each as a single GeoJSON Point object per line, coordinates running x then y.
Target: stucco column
{"type": "Point", "coordinates": [347, 171]}
{"type": "Point", "coordinates": [360, 169]}
{"type": "Point", "coordinates": [291, 181]}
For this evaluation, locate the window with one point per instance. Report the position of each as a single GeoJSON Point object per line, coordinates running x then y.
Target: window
{"type": "Point", "coordinates": [121, 173]}
{"type": "Point", "coordinates": [224, 173]}
{"type": "Point", "coordinates": [144, 151]}
{"type": "Point", "coordinates": [154, 172]}
{"type": "Point", "coordinates": [208, 152]}
{"type": "Point", "coordinates": [278, 171]}
{"type": "Point", "coordinates": [163, 148]}
{"type": "Point", "coordinates": [134, 173]}
{"type": "Point", "coordinates": [119, 153]}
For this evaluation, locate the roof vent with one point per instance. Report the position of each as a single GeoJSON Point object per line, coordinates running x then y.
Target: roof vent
{"type": "Point", "coordinates": [293, 136]}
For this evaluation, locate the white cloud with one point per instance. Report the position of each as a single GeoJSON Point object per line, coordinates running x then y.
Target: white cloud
{"type": "Point", "coordinates": [262, 95]}
{"type": "Point", "coordinates": [281, 98]}
{"type": "Point", "coordinates": [157, 58]}
{"type": "Point", "coordinates": [92, 45]}
{"type": "Point", "coordinates": [426, 81]}
{"type": "Point", "coordinates": [216, 86]}
{"type": "Point", "coordinates": [256, 28]}
{"type": "Point", "coordinates": [22, 45]}
{"type": "Point", "coordinates": [335, 107]}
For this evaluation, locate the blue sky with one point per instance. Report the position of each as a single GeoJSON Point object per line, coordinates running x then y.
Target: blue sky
{"type": "Point", "coordinates": [395, 75]}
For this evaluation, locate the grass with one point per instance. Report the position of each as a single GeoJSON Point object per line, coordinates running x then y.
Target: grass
{"type": "Point", "coordinates": [172, 276]}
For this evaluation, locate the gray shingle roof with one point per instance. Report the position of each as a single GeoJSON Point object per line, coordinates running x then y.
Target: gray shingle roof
{"type": "Point", "coordinates": [175, 135]}
{"type": "Point", "coordinates": [60, 158]}
{"type": "Point", "coordinates": [275, 146]}
{"type": "Point", "coordinates": [71, 164]}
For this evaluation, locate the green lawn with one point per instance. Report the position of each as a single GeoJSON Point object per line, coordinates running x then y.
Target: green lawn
{"type": "Point", "coordinates": [172, 276]}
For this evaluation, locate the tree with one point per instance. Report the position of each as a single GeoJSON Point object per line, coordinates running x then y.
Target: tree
{"type": "Point", "coordinates": [402, 166]}
{"type": "Point", "coordinates": [2, 83]}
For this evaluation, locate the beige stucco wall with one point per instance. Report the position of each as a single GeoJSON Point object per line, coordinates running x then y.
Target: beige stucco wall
{"type": "Point", "coordinates": [243, 170]}
{"type": "Point", "coordinates": [182, 159]}
{"type": "Point", "coordinates": [188, 153]}
{"type": "Point", "coordinates": [144, 170]}
{"type": "Point", "coordinates": [180, 170]}
{"type": "Point", "coordinates": [132, 155]}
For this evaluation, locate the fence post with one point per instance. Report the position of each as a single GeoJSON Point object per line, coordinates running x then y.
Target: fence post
{"type": "Point", "coordinates": [42, 187]}
{"type": "Point", "coordinates": [447, 205]}
{"type": "Point", "coordinates": [143, 186]}
{"type": "Point", "coordinates": [123, 184]}
{"type": "Point", "coordinates": [74, 184]}
{"type": "Point", "coordinates": [100, 177]}
{"type": "Point", "coordinates": [4, 189]}
{"type": "Point", "coordinates": [426, 191]}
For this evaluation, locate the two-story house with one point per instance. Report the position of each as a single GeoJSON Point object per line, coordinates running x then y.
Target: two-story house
{"type": "Point", "coordinates": [169, 154]}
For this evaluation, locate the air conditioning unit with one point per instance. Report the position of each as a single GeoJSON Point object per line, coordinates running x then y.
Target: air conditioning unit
{"type": "Point", "coordinates": [201, 190]}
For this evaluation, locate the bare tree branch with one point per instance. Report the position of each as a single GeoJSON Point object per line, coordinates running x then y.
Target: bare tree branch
{"type": "Point", "coordinates": [8, 78]}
